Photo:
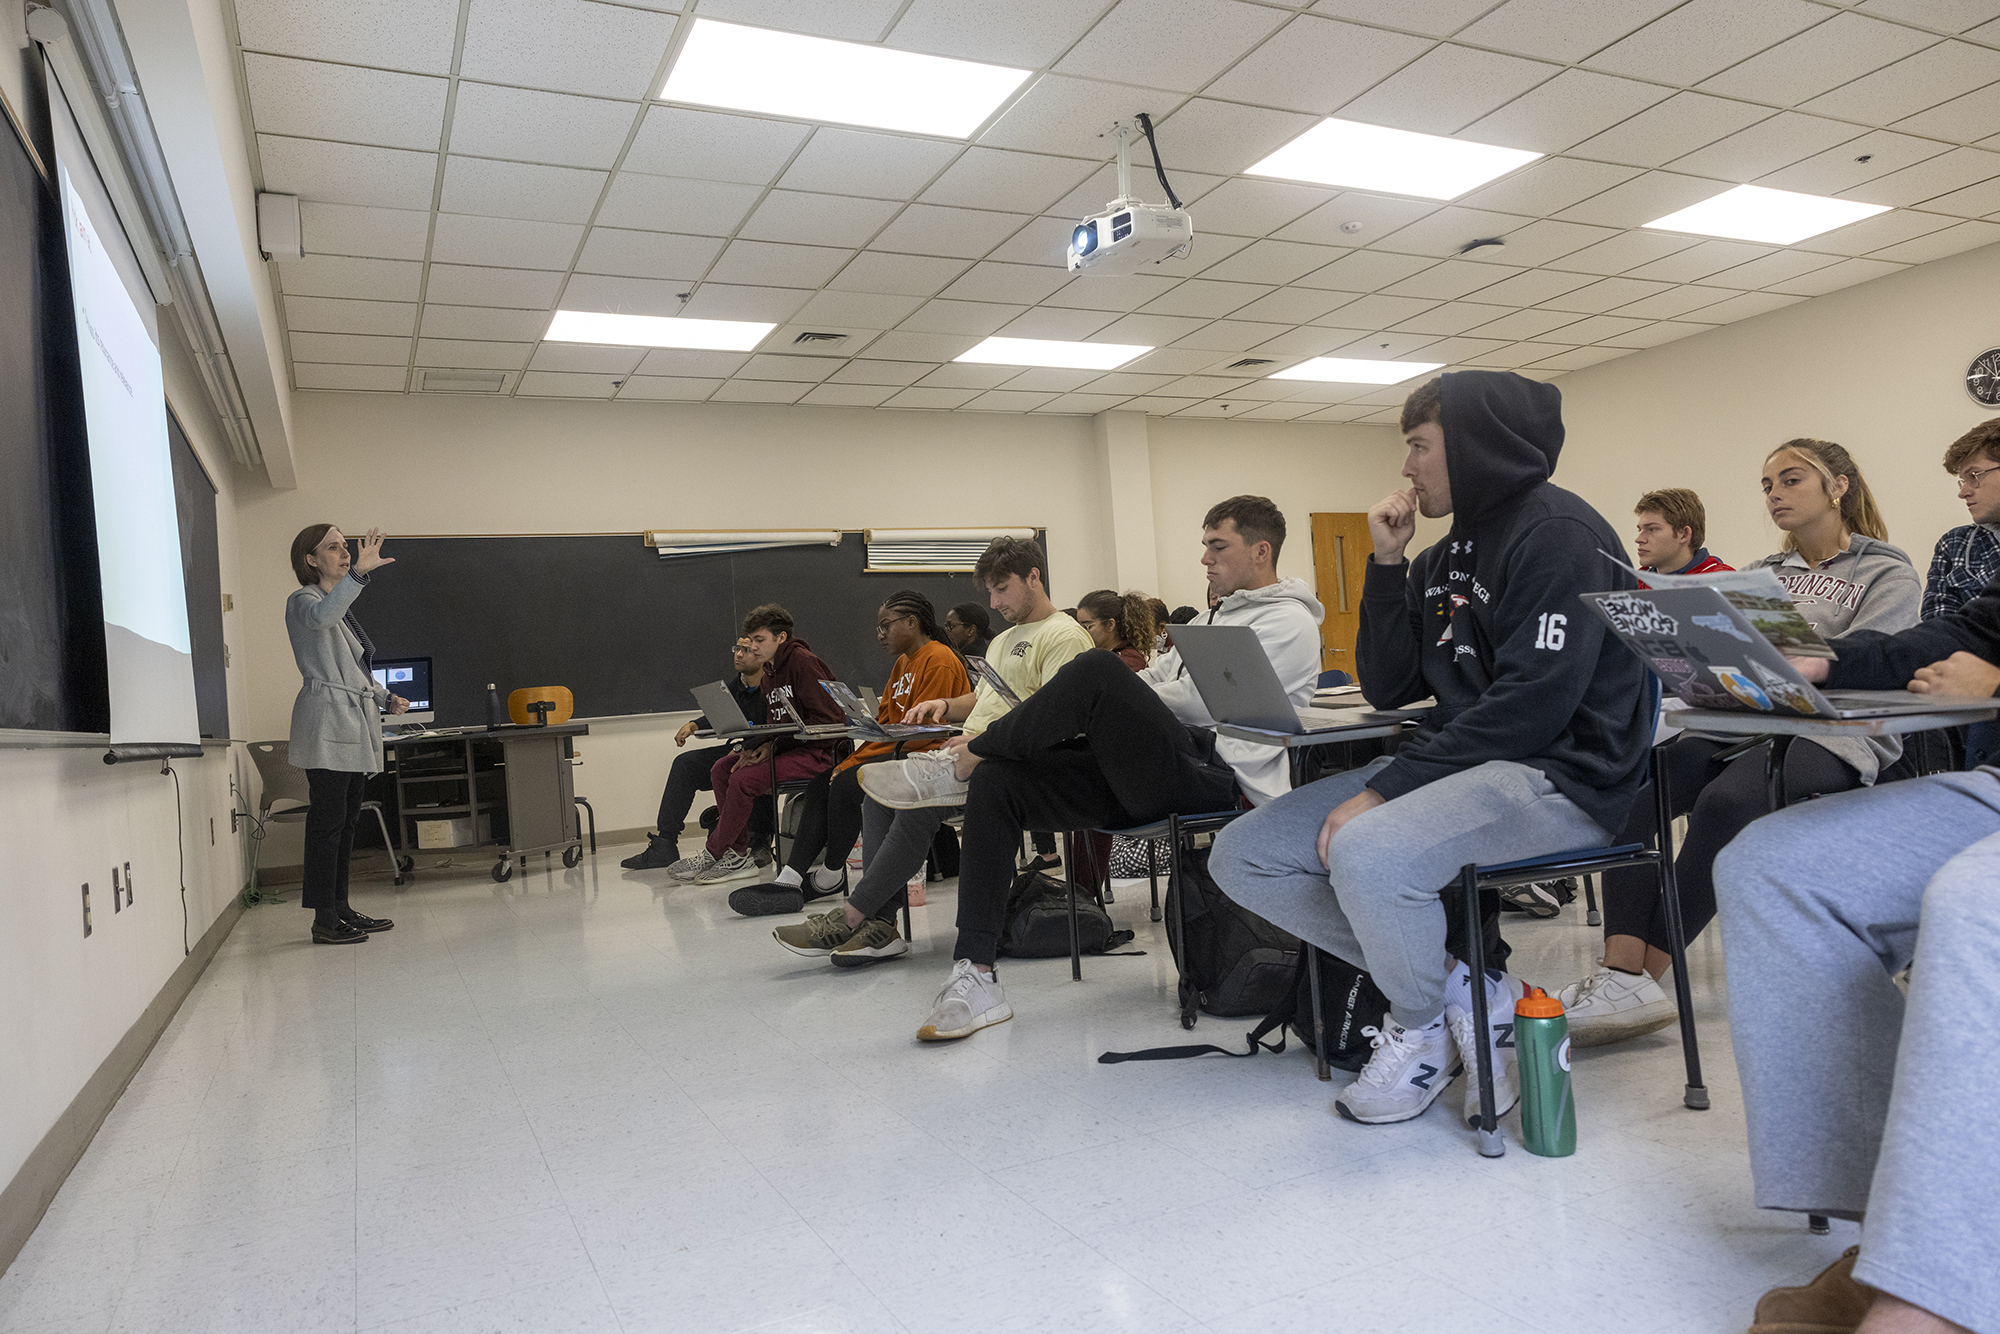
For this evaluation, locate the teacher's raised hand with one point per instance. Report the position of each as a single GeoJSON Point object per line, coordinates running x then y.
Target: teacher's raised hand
{"type": "Point", "coordinates": [371, 553]}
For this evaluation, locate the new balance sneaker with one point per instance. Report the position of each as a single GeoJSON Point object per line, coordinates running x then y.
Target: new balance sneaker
{"type": "Point", "coordinates": [1501, 993]}
{"type": "Point", "coordinates": [660, 854]}
{"type": "Point", "coordinates": [687, 868]}
{"type": "Point", "coordinates": [769, 899]}
{"type": "Point", "coordinates": [731, 865]}
{"type": "Point", "coordinates": [1403, 1078]}
{"type": "Point", "coordinates": [1610, 1006]}
{"type": "Point", "coordinates": [971, 1000]}
{"type": "Point", "coordinates": [815, 937]}
{"type": "Point", "coordinates": [872, 942]}
{"type": "Point", "coordinates": [924, 779]}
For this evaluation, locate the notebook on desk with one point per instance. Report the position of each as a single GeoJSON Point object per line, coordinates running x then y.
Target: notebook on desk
{"type": "Point", "coordinates": [1239, 686]}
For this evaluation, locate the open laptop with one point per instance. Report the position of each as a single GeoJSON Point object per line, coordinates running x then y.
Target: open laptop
{"type": "Point", "coordinates": [726, 720]}
{"type": "Point", "coordinates": [989, 675]}
{"type": "Point", "coordinates": [800, 727]}
{"type": "Point", "coordinates": [1239, 685]}
{"type": "Point", "coordinates": [1722, 645]}
{"type": "Point", "coordinates": [861, 718]}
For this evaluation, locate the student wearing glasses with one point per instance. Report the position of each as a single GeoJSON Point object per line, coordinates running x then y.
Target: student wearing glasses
{"type": "Point", "coordinates": [969, 629]}
{"type": "Point", "coordinates": [1968, 558]}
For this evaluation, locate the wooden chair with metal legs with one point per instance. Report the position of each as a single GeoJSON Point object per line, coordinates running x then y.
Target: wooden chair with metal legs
{"type": "Point", "coordinates": [1176, 830]}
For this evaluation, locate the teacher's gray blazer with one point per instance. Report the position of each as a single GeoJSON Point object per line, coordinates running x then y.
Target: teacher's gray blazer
{"type": "Point", "coordinates": [337, 719]}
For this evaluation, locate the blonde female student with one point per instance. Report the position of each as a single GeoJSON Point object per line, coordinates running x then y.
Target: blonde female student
{"type": "Point", "coordinates": [337, 718]}
{"type": "Point", "coordinates": [1844, 576]}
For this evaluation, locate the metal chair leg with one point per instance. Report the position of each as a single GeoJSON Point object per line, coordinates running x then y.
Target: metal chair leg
{"type": "Point", "coordinates": [1591, 917]}
{"type": "Point", "coordinates": [1695, 1096]}
{"type": "Point", "coordinates": [1177, 924]}
{"type": "Point", "coordinates": [1153, 873]}
{"type": "Point", "coordinates": [592, 813]}
{"type": "Point", "coordinates": [1487, 1129]}
{"type": "Point", "coordinates": [395, 867]}
{"type": "Point", "coordinates": [1069, 883]}
{"type": "Point", "coordinates": [1320, 1065]}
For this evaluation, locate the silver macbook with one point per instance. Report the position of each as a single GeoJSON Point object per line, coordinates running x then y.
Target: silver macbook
{"type": "Point", "coordinates": [860, 719]}
{"type": "Point", "coordinates": [1239, 685]}
{"type": "Point", "coordinates": [725, 718]}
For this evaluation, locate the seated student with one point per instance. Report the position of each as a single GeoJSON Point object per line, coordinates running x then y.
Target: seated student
{"type": "Point", "coordinates": [969, 629]}
{"type": "Point", "coordinates": [1538, 743]}
{"type": "Point", "coordinates": [792, 674]}
{"type": "Point", "coordinates": [1862, 1104]}
{"type": "Point", "coordinates": [1672, 524]}
{"type": "Point", "coordinates": [1844, 576]}
{"type": "Point", "coordinates": [690, 772]}
{"type": "Point", "coordinates": [1101, 746]}
{"type": "Point", "coordinates": [1118, 623]}
{"type": "Point", "coordinates": [1968, 558]}
{"type": "Point", "coordinates": [924, 668]}
{"type": "Point", "coordinates": [1160, 615]}
{"type": "Point", "coordinates": [895, 840]}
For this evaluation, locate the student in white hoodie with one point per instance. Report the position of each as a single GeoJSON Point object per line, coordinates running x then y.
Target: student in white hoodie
{"type": "Point", "coordinates": [1101, 746]}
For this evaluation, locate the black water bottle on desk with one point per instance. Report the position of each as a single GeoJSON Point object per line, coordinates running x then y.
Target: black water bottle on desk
{"type": "Point", "coordinates": [496, 712]}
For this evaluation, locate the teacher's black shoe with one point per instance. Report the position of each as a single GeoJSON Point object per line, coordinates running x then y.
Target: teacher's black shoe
{"type": "Point", "coordinates": [337, 933]}
{"type": "Point", "coordinates": [369, 924]}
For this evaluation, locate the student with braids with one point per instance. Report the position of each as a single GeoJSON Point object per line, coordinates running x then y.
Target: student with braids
{"type": "Point", "coordinates": [1119, 623]}
{"type": "Point", "coordinates": [926, 667]}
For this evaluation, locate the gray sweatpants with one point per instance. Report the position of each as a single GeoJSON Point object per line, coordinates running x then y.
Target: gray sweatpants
{"type": "Point", "coordinates": [1376, 904]}
{"type": "Point", "coordinates": [894, 845]}
{"type": "Point", "coordinates": [1858, 1101]}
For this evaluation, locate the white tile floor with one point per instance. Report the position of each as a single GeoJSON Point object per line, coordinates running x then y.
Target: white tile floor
{"type": "Point", "coordinates": [585, 1101]}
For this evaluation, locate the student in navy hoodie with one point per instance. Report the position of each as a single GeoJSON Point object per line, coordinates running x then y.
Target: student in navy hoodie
{"type": "Point", "coordinates": [1538, 742]}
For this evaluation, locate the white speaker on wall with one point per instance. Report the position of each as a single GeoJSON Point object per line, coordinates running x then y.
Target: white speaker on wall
{"type": "Point", "coordinates": [278, 227]}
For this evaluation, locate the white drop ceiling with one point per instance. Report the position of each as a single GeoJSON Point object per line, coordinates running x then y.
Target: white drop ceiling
{"type": "Point", "coordinates": [467, 166]}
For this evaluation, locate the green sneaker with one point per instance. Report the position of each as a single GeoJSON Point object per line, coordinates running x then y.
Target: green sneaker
{"type": "Point", "coordinates": [872, 942]}
{"type": "Point", "coordinates": [817, 935]}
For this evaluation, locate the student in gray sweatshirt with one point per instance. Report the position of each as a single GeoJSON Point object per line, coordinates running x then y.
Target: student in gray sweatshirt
{"type": "Point", "coordinates": [1845, 577]}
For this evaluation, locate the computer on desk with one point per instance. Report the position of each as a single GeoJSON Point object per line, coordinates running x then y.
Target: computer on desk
{"type": "Point", "coordinates": [411, 679]}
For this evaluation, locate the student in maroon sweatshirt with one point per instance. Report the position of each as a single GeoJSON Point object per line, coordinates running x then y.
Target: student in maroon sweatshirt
{"type": "Point", "coordinates": [791, 685]}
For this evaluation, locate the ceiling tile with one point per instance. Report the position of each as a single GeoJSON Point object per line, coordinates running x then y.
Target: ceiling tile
{"type": "Point", "coordinates": [1844, 47]}
{"type": "Point", "coordinates": [1446, 89]}
{"type": "Point", "coordinates": [1366, 271]}
{"type": "Point", "coordinates": [1698, 261]}
{"type": "Point", "coordinates": [960, 317]}
{"type": "Point", "coordinates": [375, 233]}
{"type": "Point", "coordinates": [1453, 317]}
{"type": "Point", "coordinates": [936, 399]}
{"type": "Point", "coordinates": [1704, 37]}
{"type": "Point", "coordinates": [317, 314]}
{"type": "Point", "coordinates": [629, 254]}
{"type": "Point", "coordinates": [678, 141]}
{"type": "Point", "coordinates": [1947, 15]}
{"type": "Point", "coordinates": [1279, 411]}
{"type": "Point", "coordinates": [1377, 214]}
{"type": "Point", "coordinates": [1742, 306]}
{"type": "Point", "coordinates": [528, 126]}
{"type": "Point", "coordinates": [759, 391]}
{"type": "Point", "coordinates": [664, 388]}
{"type": "Point", "coordinates": [623, 296]}
{"type": "Point", "coordinates": [964, 376]}
{"type": "Point", "coordinates": [1843, 168]}
{"type": "Point", "coordinates": [1292, 305]}
{"type": "Point", "coordinates": [1542, 242]}
{"type": "Point", "coordinates": [1565, 30]}
{"type": "Point", "coordinates": [1451, 279]}
{"type": "Point", "coordinates": [1577, 358]}
{"type": "Point", "coordinates": [847, 395]}
{"type": "Point", "coordinates": [1674, 128]}
{"type": "Point", "coordinates": [1110, 291]}
{"type": "Point", "coordinates": [1068, 116]}
{"type": "Point", "coordinates": [852, 20]}
{"type": "Point", "coordinates": [1440, 234]}
{"type": "Point", "coordinates": [347, 173]}
{"type": "Point", "coordinates": [1385, 345]}
{"type": "Point", "coordinates": [1251, 207]}
{"type": "Point", "coordinates": [508, 243]}
{"type": "Point", "coordinates": [1049, 379]}
{"type": "Point", "coordinates": [1656, 333]}
{"type": "Point", "coordinates": [798, 370]}
{"type": "Point", "coordinates": [667, 204]}
{"type": "Point", "coordinates": [1230, 336]}
{"type": "Point", "coordinates": [1044, 241]}
{"type": "Point", "coordinates": [1642, 199]}
{"type": "Point", "coordinates": [1777, 267]}
{"type": "Point", "coordinates": [1202, 386]}
{"type": "Point", "coordinates": [1207, 251]}
{"type": "Point", "coordinates": [1272, 262]}
{"type": "Point", "coordinates": [1520, 354]}
{"type": "Point", "coordinates": [1912, 84]}
{"type": "Point", "coordinates": [1084, 405]}
{"type": "Point", "coordinates": [715, 300]}
{"type": "Point", "coordinates": [858, 310]}
{"type": "Point", "coordinates": [897, 275]}
{"type": "Point", "coordinates": [1833, 277]}
{"type": "Point", "coordinates": [910, 346]}
{"type": "Point", "coordinates": [1951, 241]}
{"type": "Point", "coordinates": [520, 190]}
{"type": "Point", "coordinates": [442, 321]}
{"type": "Point", "coordinates": [1524, 324]}
{"type": "Point", "coordinates": [366, 279]}
{"type": "Point", "coordinates": [1525, 289]}
{"type": "Point", "coordinates": [351, 349]}
{"type": "Point", "coordinates": [1572, 106]}
{"type": "Point", "coordinates": [1964, 119]}
{"type": "Point", "coordinates": [1165, 361]}
{"type": "Point", "coordinates": [1547, 187]}
{"type": "Point", "coordinates": [1020, 283]}
{"type": "Point", "coordinates": [962, 233]}
{"type": "Point", "coordinates": [394, 34]}
{"type": "Point", "coordinates": [853, 162]}
{"type": "Point", "coordinates": [684, 363]}
{"type": "Point", "coordinates": [1206, 298]}
{"type": "Point", "coordinates": [1148, 330]}
{"type": "Point", "coordinates": [834, 220]}
{"type": "Point", "coordinates": [997, 179]}
{"type": "Point", "coordinates": [1179, 44]}
{"type": "Point", "coordinates": [1376, 312]}
{"type": "Point", "coordinates": [1024, 34]}
{"type": "Point", "coordinates": [1007, 400]}
{"type": "Point", "coordinates": [1067, 325]}
{"type": "Point", "coordinates": [562, 384]}
{"type": "Point", "coordinates": [1606, 294]}
{"type": "Point", "coordinates": [1310, 341]}
{"type": "Point", "coordinates": [1222, 137]}
{"type": "Point", "coordinates": [1766, 147]}
{"type": "Point", "coordinates": [367, 106]}
{"type": "Point", "coordinates": [1102, 185]}
{"type": "Point", "coordinates": [1675, 302]}
{"type": "Point", "coordinates": [1626, 251]}
{"type": "Point", "coordinates": [1461, 351]}
{"type": "Point", "coordinates": [476, 354]}
{"type": "Point", "coordinates": [377, 378]}
{"type": "Point", "coordinates": [603, 50]}
{"type": "Point", "coordinates": [1314, 65]}
{"type": "Point", "coordinates": [1436, 18]}
{"type": "Point", "coordinates": [1949, 171]}
{"type": "Point", "coordinates": [860, 371]}
{"type": "Point", "coordinates": [521, 289]}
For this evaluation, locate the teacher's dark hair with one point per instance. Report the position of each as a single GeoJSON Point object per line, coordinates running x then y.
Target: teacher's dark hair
{"type": "Point", "coordinates": [304, 545]}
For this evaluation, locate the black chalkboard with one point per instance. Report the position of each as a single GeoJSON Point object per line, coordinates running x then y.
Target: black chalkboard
{"type": "Point", "coordinates": [201, 562]}
{"type": "Point", "coordinates": [626, 631]}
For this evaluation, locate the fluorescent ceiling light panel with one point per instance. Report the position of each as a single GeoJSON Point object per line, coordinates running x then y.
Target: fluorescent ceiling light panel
{"type": "Point", "coordinates": [1052, 352]}
{"type": "Point", "coordinates": [1775, 217]}
{"type": "Point", "coordinates": [1355, 156]}
{"type": "Point", "coordinates": [1345, 370]}
{"type": "Point", "coordinates": [812, 78]}
{"type": "Point", "coordinates": [589, 326]}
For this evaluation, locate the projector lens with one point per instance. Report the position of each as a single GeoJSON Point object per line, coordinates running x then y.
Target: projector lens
{"type": "Point", "coordinates": [1084, 239]}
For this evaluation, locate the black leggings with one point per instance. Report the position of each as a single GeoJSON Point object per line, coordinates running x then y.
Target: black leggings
{"type": "Point", "coordinates": [330, 822]}
{"type": "Point", "coordinates": [1720, 801]}
{"type": "Point", "coordinates": [829, 820]}
{"type": "Point", "coordinates": [1092, 749]}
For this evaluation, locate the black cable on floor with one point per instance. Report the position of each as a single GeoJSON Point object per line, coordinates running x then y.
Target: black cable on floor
{"type": "Point", "coordinates": [180, 844]}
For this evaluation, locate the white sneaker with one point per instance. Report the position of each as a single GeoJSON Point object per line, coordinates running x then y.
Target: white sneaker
{"type": "Point", "coordinates": [731, 865]}
{"type": "Point", "coordinates": [924, 779]}
{"type": "Point", "coordinates": [1610, 1006]}
{"type": "Point", "coordinates": [687, 868]}
{"type": "Point", "coordinates": [1501, 993]}
{"type": "Point", "coordinates": [1403, 1078]}
{"type": "Point", "coordinates": [971, 1000]}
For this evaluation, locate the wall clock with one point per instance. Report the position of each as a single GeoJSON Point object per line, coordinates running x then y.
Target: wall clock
{"type": "Point", "coordinates": [1982, 378]}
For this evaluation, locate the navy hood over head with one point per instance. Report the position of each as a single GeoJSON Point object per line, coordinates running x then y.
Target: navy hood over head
{"type": "Point", "coordinates": [1489, 621]}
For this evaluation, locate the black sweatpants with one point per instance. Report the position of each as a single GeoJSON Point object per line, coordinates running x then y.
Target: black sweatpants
{"type": "Point", "coordinates": [1092, 749]}
{"type": "Point", "coordinates": [1720, 801]}
{"type": "Point", "coordinates": [689, 775]}
{"type": "Point", "coordinates": [829, 821]}
{"type": "Point", "coordinates": [330, 823]}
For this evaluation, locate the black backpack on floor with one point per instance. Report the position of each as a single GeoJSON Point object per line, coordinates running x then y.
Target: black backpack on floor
{"type": "Point", "coordinates": [1232, 962]}
{"type": "Point", "coordinates": [1038, 921]}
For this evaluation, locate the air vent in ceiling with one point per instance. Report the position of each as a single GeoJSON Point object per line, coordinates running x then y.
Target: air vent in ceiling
{"type": "Point", "coordinates": [810, 337]}
{"type": "Point", "coordinates": [463, 382]}
{"type": "Point", "coordinates": [1248, 362]}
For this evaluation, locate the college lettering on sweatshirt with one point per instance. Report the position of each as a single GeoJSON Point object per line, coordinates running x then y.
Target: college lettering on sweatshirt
{"type": "Point", "coordinates": [1824, 588]}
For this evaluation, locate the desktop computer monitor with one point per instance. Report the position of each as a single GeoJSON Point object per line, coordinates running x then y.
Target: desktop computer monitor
{"type": "Point", "coordinates": [410, 678]}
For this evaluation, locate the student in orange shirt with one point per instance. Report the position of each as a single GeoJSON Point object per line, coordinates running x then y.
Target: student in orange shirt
{"type": "Point", "coordinates": [926, 667]}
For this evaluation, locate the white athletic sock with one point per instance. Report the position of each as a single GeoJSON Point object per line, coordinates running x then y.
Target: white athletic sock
{"type": "Point", "coordinates": [823, 878]}
{"type": "Point", "coordinates": [789, 877]}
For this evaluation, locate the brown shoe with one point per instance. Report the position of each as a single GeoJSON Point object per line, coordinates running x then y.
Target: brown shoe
{"type": "Point", "coordinates": [1833, 1303]}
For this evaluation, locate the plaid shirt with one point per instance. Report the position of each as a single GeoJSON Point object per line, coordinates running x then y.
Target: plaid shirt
{"type": "Point", "coordinates": [1967, 559]}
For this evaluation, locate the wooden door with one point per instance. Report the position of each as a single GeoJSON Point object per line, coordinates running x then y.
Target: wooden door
{"type": "Point", "coordinates": [1340, 553]}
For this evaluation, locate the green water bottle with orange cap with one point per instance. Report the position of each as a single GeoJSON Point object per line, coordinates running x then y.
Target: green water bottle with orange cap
{"type": "Point", "coordinates": [1548, 1112]}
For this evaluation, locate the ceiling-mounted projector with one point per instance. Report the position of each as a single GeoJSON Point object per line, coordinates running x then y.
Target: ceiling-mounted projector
{"type": "Point", "coordinates": [1130, 234]}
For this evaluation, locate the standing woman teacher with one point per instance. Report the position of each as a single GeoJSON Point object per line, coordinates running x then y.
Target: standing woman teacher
{"type": "Point", "coordinates": [336, 721]}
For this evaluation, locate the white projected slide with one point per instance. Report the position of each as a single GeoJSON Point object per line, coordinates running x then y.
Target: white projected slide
{"type": "Point", "coordinates": [132, 483]}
